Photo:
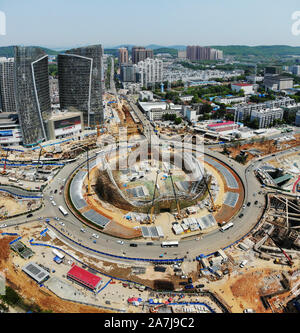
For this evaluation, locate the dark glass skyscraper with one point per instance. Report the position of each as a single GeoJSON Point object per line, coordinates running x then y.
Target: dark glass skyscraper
{"type": "Point", "coordinates": [80, 82]}
{"type": "Point", "coordinates": [32, 93]}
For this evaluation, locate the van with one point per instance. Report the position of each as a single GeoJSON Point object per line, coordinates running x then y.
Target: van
{"type": "Point", "coordinates": [243, 263]}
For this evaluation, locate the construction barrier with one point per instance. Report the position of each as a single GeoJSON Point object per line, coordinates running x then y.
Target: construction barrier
{"type": "Point", "coordinates": [162, 261]}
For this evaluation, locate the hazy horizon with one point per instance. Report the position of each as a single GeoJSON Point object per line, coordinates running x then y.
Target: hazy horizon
{"type": "Point", "coordinates": [70, 23]}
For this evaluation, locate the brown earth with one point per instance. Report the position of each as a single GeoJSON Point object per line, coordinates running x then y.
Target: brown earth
{"type": "Point", "coordinates": [29, 290]}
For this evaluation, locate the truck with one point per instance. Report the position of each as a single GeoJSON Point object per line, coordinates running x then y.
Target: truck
{"type": "Point", "coordinates": [58, 254]}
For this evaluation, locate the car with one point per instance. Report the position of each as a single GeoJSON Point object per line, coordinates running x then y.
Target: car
{"type": "Point", "coordinates": [133, 245]}
{"type": "Point", "coordinates": [189, 286]}
{"type": "Point", "coordinates": [243, 263]}
{"type": "Point", "coordinates": [120, 242]}
{"type": "Point", "coordinates": [241, 215]}
{"type": "Point", "coordinates": [82, 230]}
{"type": "Point", "coordinates": [183, 283]}
{"type": "Point", "coordinates": [51, 198]}
{"type": "Point", "coordinates": [149, 243]}
{"type": "Point", "coordinates": [190, 280]}
{"type": "Point", "coordinates": [3, 225]}
{"type": "Point", "coordinates": [29, 215]}
{"type": "Point", "coordinates": [57, 218]}
{"type": "Point", "coordinates": [256, 202]}
{"type": "Point", "coordinates": [95, 236]}
{"type": "Point", "coordinates": [62, 223]}
{"type": "Point", "coordinates": [53, 203]}
{"type": "Point", "coordinates": [55, 191]}
{"type": "Point", "coordinates": [248, 204]}
{"type": "Point", "coordinates": [244, 206]}
{"type": "Point", "coordinates": [200, 286]}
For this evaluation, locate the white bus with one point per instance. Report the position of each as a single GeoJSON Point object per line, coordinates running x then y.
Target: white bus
{"type": "Point", "coordinates": [169, 244]}
{"type": "Point", "coordinates": [63, 211]}
{"type": "Point", "coordinates": [226, 227]}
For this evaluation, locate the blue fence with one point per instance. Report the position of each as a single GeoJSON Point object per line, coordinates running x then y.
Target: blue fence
{"type": "Point", "coordinates": [21, 196]}
{"type": "Point", "coordinates": [15, 240]}
{"type": "Point", "coordinates": [82, 263]}
{"type": "Point", "coordinates": [118, 257]}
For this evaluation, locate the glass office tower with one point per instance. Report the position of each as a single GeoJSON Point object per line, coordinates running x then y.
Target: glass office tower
{"type": "Point", "coordinates": [80, 82]}
{"type": "Point", "coordinates": [32, 93]}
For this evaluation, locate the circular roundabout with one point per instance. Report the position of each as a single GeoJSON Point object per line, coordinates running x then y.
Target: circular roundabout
{"type": "Point", "coordinates": [150, 196]}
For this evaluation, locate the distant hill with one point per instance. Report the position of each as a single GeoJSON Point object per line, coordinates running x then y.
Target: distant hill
{"type": "Point", "coordinates": [8, 51]}
{"type": "Point", "coordinates": [263, 50]}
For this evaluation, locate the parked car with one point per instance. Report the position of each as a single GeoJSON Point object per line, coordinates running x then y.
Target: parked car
{"type": "Point", "coordinates": [243, 263]}
{"type": "Point", "coordinates": [95, 236]}
{"type": "Point", "coordinates": [189, 286]}
{"type": "Point", "coordinates": [29, 215]}
{"type": "Point", "coordinates": [120, 242]}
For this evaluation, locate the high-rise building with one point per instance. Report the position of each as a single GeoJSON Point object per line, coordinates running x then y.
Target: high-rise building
{"type": "Point", "coordinates": [7, 85]}
{"type": "Point", "coordinates": [32, 93]}
{"type": "Point", "coordinates": [129, 73]}
{"type": "Point", "coordinates": [80, 82]}
{"type": "Point", "coordinates": [195, 53]}
{"type": "Point", "coordinates": [140, 54]}
{"type": "Point", "coordinates": [151, 71]}
{"type": "Point", "coordinates": [123, 56]}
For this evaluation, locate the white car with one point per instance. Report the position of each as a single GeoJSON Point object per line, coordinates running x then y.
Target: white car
{"type": "Point", "coordinates": [243, 263]}
{"type": "Point", "coordinates": [53, 203]}
{"type": "Point", "coordinates": [62, 223]}
{"type": "Point", "coordinates": [95, 236]}
{"type": "Point", "coordinates": [82, 230]}
{"type": "Point", "coordinates": [3, 225]}
{"type": "Point", "coordinates": [120, 242]}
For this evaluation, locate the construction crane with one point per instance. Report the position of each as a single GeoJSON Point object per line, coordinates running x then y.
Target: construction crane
{"type": "Point", "coordinates": [42, 152]}
{"type": "Point", "coordinates": [152, 206]}
{"type": "Point", "coordinates": [173, 186]}
{"type": "Point", "coordinates": [214, 206]}
{"type": "Point", "coordinates": [290, 262]}
{"type": "Point", "coordinates": [89, 192]}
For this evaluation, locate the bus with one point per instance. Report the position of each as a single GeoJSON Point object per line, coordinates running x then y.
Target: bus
{"type": "Point", "coordinates": [226, 227]}
{"type": "Point", "coordinates": [63, 211]}
{"type": "Point", "coordinates": [169, 244]}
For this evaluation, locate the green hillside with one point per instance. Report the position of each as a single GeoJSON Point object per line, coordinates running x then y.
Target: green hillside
{"type": "Point", "coordinates": [8, 51]}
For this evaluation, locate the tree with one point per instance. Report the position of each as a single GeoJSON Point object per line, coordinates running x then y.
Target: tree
{"type": "Point", "coordinates": [178, 121]}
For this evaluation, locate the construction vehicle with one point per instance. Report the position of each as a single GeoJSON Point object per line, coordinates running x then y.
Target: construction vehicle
{"type": "Point", "coordinates": [290, 262]}
{"type": "Point", "coordinates": [155, 309]}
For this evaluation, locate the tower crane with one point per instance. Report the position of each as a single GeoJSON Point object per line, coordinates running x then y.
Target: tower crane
{"type": "Point", "coordinates": [152, 206]}
{"type": "Point", "coordinates": [173, 186]}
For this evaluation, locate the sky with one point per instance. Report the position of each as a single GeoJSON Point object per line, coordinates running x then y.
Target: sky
{"type": "Point", "coordinates": [69, 23]}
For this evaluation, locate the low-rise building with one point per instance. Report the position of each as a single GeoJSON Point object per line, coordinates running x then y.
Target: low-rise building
{"type": "Point", "coordinates": [246, 87]}
{"type": "Point", "coordinates": [64, 124]}
{"type": "Point", "coordinates": [278, 82]}
{"type": "Point", "coordinates": [266, 117]}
